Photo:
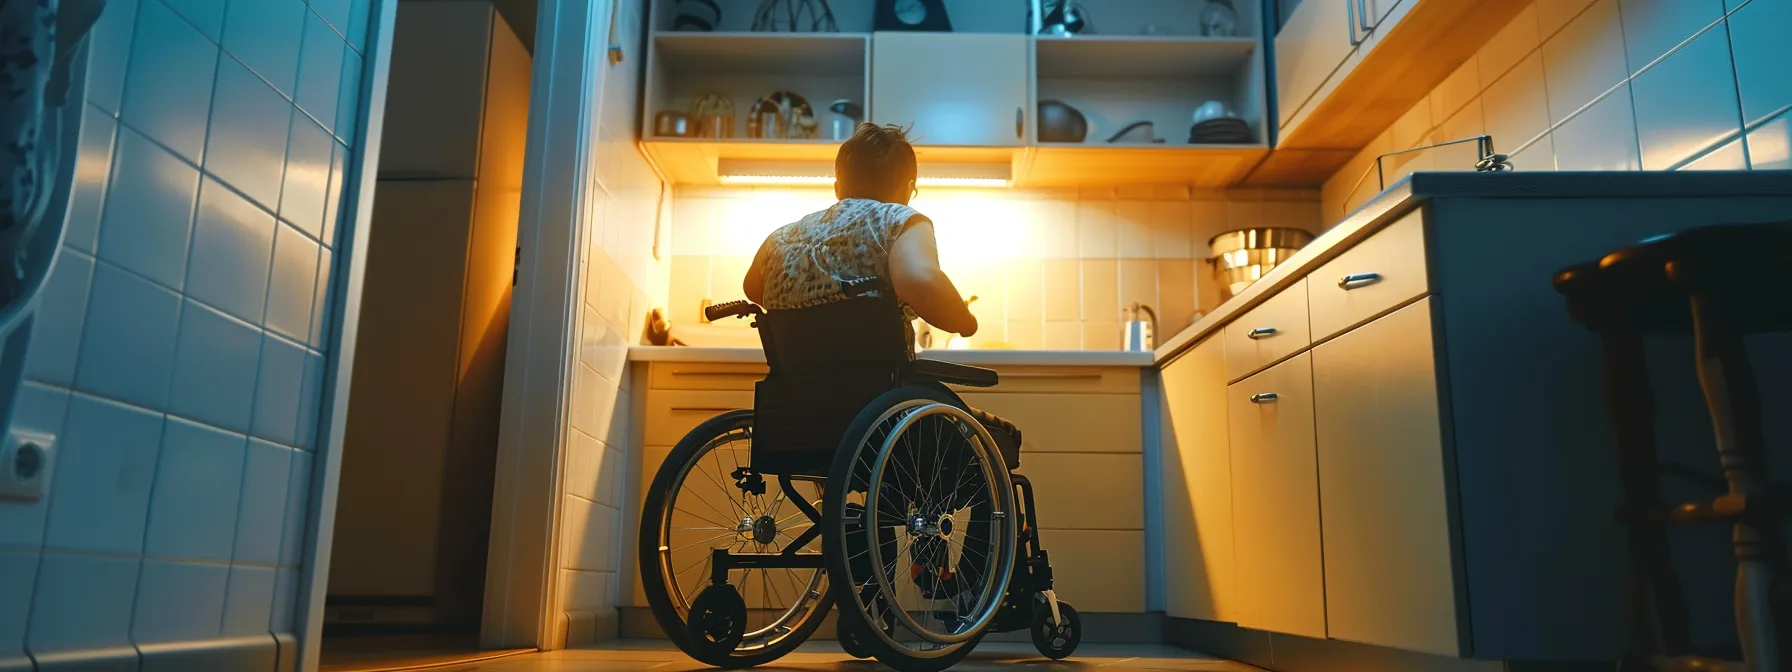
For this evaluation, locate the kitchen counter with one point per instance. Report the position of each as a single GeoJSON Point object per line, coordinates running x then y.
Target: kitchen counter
{"type": "Point", "coordinates": [1416, 189]}
{"type": "Point", "coordinates": [651, 353]}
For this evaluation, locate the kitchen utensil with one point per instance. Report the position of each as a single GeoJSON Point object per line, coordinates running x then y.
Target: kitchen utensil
{"type": "Point", "coordinates": [1212, 109]}
{"type": "Point", "coordinates": [1225, 130]}
{"type": "Point", "coordinates": [845, 119]}
{"type": "Point", "coordinates": [672, 124]}
{"type": "Point", "coordinates": [1147, 134]}
{"type": "Point", "coordinates": [712, 116]}
{"type": "Point", "coordinates": [1061, 123]}
{"type": "Point", "coordinates": [928, 15]}
{"type": "Point", "coordinates": [1064, 18]}
{"type": "Point", "coordinates": [1219, 19]}
{"type": "Point", "coordinates": [1244, 256]}
{"type": "Point", "coordinates": [795, 16]}
{"type": "Point", "coordinates": [1141, 333]}
{"type": "Point", "coordinates": [782, 114]}
{"type": "Point", "coordinates": [697, 15]}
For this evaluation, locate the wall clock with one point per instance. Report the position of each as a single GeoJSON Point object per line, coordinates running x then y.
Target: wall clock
{"type": "Point", "coordinates": [927, 15]}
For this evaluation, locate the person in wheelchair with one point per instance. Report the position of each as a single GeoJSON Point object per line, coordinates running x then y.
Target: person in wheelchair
{"type": "Point", "coordinates": [928, 541]}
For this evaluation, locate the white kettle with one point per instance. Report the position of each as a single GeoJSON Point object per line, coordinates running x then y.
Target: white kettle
{"type": "Point", "coordinates": [1140, 334]}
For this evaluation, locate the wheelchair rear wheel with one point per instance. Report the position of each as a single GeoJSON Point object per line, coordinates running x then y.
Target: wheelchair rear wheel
{"type": "Point", "coordinates": [921, 529]}
{"type": "Point", "coordinates": [703, 500]}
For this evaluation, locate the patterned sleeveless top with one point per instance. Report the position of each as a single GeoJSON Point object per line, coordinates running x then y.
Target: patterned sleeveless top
{"type": "Point", "coordinates": [804, 261]}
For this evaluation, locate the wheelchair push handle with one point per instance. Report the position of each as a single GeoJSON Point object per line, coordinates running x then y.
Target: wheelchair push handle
{"type": "Point", "coordinates": [731, 309]}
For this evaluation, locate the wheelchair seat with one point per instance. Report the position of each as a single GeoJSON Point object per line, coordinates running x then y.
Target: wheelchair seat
{"type": "Point", "coordinates": [827, 362]}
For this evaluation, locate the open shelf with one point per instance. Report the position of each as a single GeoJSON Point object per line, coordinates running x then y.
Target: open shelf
{"type": "Point", "coordinates": [1142, 57]}
{"type": "Point", "coordinates": [1200, 166]}
{"type": "Point", "coordinates": [699, 160]}
{"type": "Point", "coordinates": [792, 54]}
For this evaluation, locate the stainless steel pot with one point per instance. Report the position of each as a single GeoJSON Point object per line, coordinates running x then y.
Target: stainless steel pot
{"type": "Point", "coordinates": [1243, 256]}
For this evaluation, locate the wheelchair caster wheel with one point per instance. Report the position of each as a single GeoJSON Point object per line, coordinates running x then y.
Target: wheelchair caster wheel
{"type": "Point", "coordinates": [718, 622]}
{"type": "Point", "coordinates": [849, 643]}
{"type": "Point", "coordinates": [1057, 641]}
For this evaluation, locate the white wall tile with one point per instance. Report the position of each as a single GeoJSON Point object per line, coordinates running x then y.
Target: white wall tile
{"type": "Point", "coordinates": [307, 174]}
{"type": "Point", "coordinates": [1132, 221]}
{"type": "Point", "coordinates": [1602, 138]}
{"type": "Point", "coordinates": [233, 245]}
{"type": "Point", "coordinates": [149, 211]}
{"type": "Point", "coordinates": [360, 15]}
{"type": "Point", "coordinates": [612, 478]}
{"type": "Point", "coordinates": [1512, 44]}
{"type": "Point", "coordinates": [38, 409]}
{"type": "Point", "coordinates": [587, 591]}
{"type": "Point", "coordinates": [1097, 229]}
{"type": "Point", "coordinates": [1687, 103]}
{"type": "Point", "coordinates": [199, 476]}
{"type": "Point", "coordinates": [583, 457]}
{"type": "Point", "coordinates": [18, 578]}
{"type": "Point", "coordinates": [109, 54]}
{"type": "Point", "coordinates": [1516, 107]}
{"type": "Point", "coordinates": [1170, 230]}
{"type": "Point", "coordinates": [104, 470]}
{"type": "Point", "coordinates": [1585, 60]}
{"type": "Point", "coordinates": [286, 594]}
{"type": "Point", "coordinates": [333, 195]}
{"type": "Point", "coordinates": [179, 601]}
{"type": "Point", "coordinates": [298, 502]}
{"type": "Point", "coordinates": [127, 344]}
{"type": "Point", "coordinates": [277, 390]}
{"type": "Point", "coordinates": [168, 89]}
{"type": "Point", "coordinates": [605, 348]}
{"type": "Point", "coordinates": [265, 36]}
{"type": "Point", "coordinates": [321, 300]}
{"type": "Point", "coordinates": [1553, 15]}
{"type": "Point", "coordinates": [261, 513]}
{"type": "Point", "coordinates": [1770, 145]}
{"type": "Point", "coordinates": [320, 69]}
{"type": "Point", "coordinates": [1458, 90]}
{"type": "Point", "coordinates": [1731, 156]}
{"type": "Point", "coordinates": [348, 97]}
{"type": "Point", "coordinates": [93, 174]}
{"type": "Point", "coordinates": [1758, 34]}
{"type": "Point", "coordinates": [693, 227]}
{"type": "Point", "coordinates": [82, 602]}
{"type": "Point", "coordinates": [292, 284]}
{"type": "Point", "coordinates": [214, 368]}
{"type": "Point", "coordinates": [247, 147]}
{"type": "Point", "coordinates": [207, 15]}
{"type": "Point", "coordinates": [311, 401]}
{"type": "Point", "coordinates": [56, 329]}
{"type": "Point", "coordinates": [1652, 28]}
{"type": "Point", "coordinates": [248, 599]}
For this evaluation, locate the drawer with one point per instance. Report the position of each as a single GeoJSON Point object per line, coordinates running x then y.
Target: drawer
{"type": "Point", "coordinates": [1085, 379]}
{"type": "Point", "coordinates": [704, 376]}
{"type": "Point", "coordinates": [673, 413]}
{"type": "Point", "coordinates": [1080, 491]}
{"type": "Point", "coordinates": [1377, 274]}
{"type": "Point", "coordinates": [1097, 571]}
{"type": "Point", "coordinates": [1060, 423]}
{"type": "Point", "coordinates": [1274, 329]}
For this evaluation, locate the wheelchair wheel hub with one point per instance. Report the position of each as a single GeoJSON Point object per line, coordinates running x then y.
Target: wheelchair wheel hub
{"type": "Point", "coordinates": [941, 527]}
{"type": "Point", "coordinates": [765, 530]}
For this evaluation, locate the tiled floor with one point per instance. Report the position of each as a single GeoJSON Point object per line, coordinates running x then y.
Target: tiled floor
{"type": "Point", "coordinates": [1008, 657]}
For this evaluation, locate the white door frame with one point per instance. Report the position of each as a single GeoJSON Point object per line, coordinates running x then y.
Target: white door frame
{"type": "Point", "coordinates": [345, 320]}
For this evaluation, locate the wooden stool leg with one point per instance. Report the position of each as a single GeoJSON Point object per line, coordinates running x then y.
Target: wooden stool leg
{"type": "Point", "coordinates": [1729, 385]}
{"type": "Point", "coordinates": [1655, 606]}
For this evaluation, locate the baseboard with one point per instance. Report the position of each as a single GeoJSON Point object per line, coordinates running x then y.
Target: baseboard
{"type": "Point", "coordinates": [18, 662]}
{"type": "Point", "coordinates": [257, 652]}
{"type": "Point", "coordinates": [287, 652]}
{"type": "Point", "coordinates": [1291, 653]}
{"type": "Point", "coordinates": [111, 659]}
{"type": "Point", "coordinates": [584, 628]}
{"type": "Point", "coordinates": [1098, 628]}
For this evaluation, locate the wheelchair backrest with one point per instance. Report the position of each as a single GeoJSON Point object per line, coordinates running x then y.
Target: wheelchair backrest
{"type": "Point", "coordinates": [827, 363]}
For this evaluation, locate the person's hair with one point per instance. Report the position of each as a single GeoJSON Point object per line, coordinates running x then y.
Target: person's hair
{"type": "Point", "coordinates": [877, 162]}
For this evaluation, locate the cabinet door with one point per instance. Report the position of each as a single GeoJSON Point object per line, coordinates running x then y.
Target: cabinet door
{"type": "Point", "coordinates": [1317, 38]}
{"type": "Point", "coordinates": [1197, 486]}
{"type": "Point", "coordinates": [1389, 573]}
{"type": "Point", "coordinates": [954, 89]}
{"type": "Point", "coordinates": [1275, 500]}
{"type": "Point", "coordinates": [1381, 14]}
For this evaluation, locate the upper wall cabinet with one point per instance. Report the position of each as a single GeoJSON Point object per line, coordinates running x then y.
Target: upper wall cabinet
{"type": "Point", "coordinates": [767, 89]}
{"type": "Point", "coordinates": [954, 89]}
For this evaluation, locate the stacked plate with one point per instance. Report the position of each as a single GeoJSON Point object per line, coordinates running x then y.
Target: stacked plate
{"type": "Point", "coordinates": [1223, 130]}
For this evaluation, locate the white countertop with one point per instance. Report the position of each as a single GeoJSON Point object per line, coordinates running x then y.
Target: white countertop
{"type": "Point", "coordinates": [653, 353]}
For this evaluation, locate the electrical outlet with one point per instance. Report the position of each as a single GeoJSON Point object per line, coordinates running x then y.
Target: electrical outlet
{"type": "Point", "coordinates": [27, 460]}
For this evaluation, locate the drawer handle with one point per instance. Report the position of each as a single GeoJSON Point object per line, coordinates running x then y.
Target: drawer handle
{"type": "Point", "coordinates": [1356, 280]}
{"type": "Point", "coordinates": [1261, 333]}
{"type": "Point", "coordinates": [702, 409]}
{"type": "Point", "coordinates": [1264, 398]}
{"type": "Point", "coordinates": [755, 374]}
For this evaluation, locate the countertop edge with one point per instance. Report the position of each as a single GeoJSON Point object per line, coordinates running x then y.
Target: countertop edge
{"type": "Point", "coordinates": [654, 353]}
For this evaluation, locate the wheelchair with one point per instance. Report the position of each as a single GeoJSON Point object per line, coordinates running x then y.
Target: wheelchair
{"type": "Point", "coordinates": [860, 480]}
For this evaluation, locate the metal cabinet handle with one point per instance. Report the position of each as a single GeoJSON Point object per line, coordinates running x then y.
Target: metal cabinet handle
{"type": "Point", "coordinates": [1356, 280]}
{"type": "Point", "coordinates": [1355, 33]}
{"type": "Point", "coordinates": [1362, 7]}
{"type": "Point", "coordinates": [1261, 333]}
{"type": "Point", "coordinates": [1264, 398]}
{"type": "Point", "coordinates": [1020, 123]}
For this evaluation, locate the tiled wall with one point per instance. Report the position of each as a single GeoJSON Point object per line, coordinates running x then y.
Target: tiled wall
{"type": "Point", "coordinates": [1608, 85]}
{"type": "Point", "coordinates": [179, 352]}
{"type": "Point", "coordinates": [622, 280]}
{"type": "Point", "coordinates": [1051, 269]}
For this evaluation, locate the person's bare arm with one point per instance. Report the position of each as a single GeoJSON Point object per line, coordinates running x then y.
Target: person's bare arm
{"type": "Point", "coordinates": [915, 273]}
{"type": "Point", "coordinates": [754, 284]}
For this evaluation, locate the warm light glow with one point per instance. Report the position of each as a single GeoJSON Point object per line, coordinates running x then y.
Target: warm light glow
{"type": "Point", "coordinates": [966, 182]}
{"type": "Point", "coordinates": [818, 180]}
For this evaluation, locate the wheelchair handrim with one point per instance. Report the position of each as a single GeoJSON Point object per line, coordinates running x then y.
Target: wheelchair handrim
{"type": "Point", "coordinates": [990, 601]}
{"type": "Point", "coordinates": [786, 622]}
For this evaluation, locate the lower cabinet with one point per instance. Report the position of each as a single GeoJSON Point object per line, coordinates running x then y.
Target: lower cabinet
{"type": "Point", "coordinates": [1384, 508]}
{"type": "Point", "coordinates": [1200, 576]}
{"type": "Point", "coordinates": [1275, 500]}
